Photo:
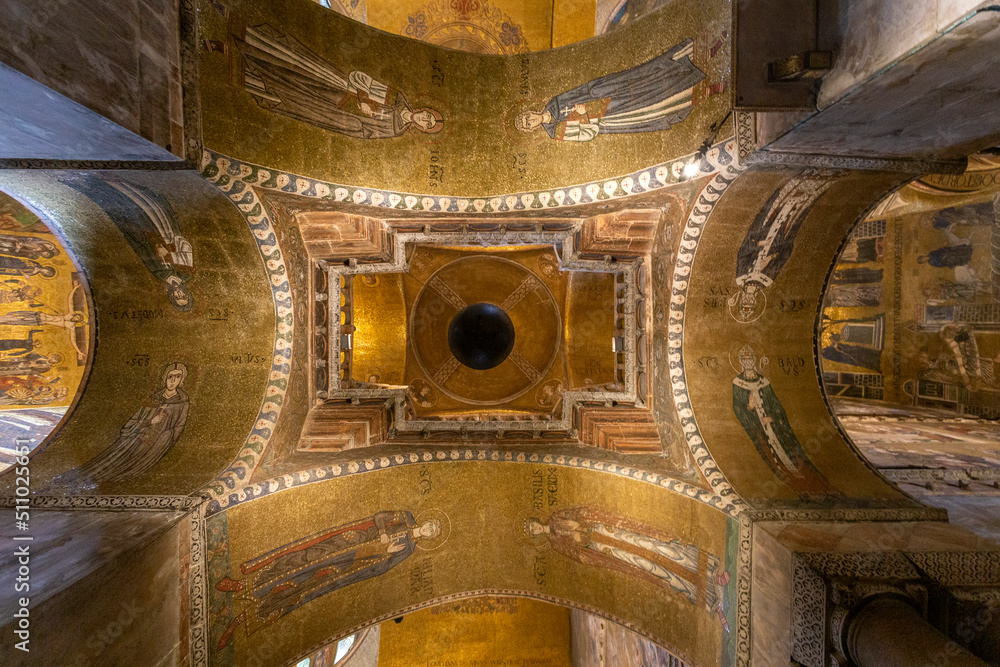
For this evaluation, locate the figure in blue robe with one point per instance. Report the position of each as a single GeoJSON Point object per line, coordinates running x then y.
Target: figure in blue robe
{"type": "Point", "coordinates": [853, 355]}
{"type": "Point", "coordinates": [949, 256]}
{"type": "Point", "coordinates": [16, 266]}
{"type": "Point", "coordinates": [762, 416]}
{"type": "Point", "coordinates": [769, 241]}
{"type": "Point", "coordinates": [655, 95]}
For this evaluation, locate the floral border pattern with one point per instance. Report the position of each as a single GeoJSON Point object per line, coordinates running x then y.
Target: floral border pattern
{"type": "Point", "coordinates": [703, 207]}
{"type": "Point", "coordinates": [232, 175]}
{"type": "Point", "coordinates": [418, 456]}
{"type": "Point", "coordinates": [237, 180]}
{"type": "Point", "coordinates": [246, 200]}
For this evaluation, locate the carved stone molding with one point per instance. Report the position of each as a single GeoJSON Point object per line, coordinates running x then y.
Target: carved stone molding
{"type": "Point", "coordinates": [199, 590]}
{"type": "Point", "coordinates": [626, 234]}
{"type": "Point", "coordinates": [988, 597]}
{"type": "Point", "coordinates": [830, 589]}
{"type": "Point", "coordinates": [109, 503]}
{"type": "Point", "coordinates": [190, 83]}
{"type": "Point", "coordinates": [850, 594]}
{"type": "Point", "coordinates": [808, 615]}
{"type": "Point", "coordinates": [564, 237]}
{"type": "Point", "coordinates": [765, 158]}
{"type": "Point", "coordinates": [333, 236]}
{"type": "Point", "coordinates": [921, 476]}
{"type": "Point", "coordinates": [335, 427]}
{"type": "Point", "coordinates": [747, 518]}
{"type": "Point", "coordinates": [961, 568]}
{"type": "Point", "coordinates": [970, 420]}
{"type": "Point", "coordinates": [864, 514]}
{"type": "Point", "coordinates": [746, 134]}
{"type": "Point", "coordinates": [971, 614]}
{"type": "Point", "coordinates": [630, 430]}
{"type": "Point", "coordinates": [144, 165]}
{"type": "Point", "coordinates": [861, 565]}
{"type": "Point", "coordinates": [838, 624]}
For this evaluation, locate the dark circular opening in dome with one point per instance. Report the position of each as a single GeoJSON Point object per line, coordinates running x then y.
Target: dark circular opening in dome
{"type": "Point", "coordinates": [481, 336]}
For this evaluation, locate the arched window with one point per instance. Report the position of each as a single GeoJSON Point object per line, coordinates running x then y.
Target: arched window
{"type": "Point", "coordinates": [337, 652]}
{"type": "Point", "coordinates": [343, 648]}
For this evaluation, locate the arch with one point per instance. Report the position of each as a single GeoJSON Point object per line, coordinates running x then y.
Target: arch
{"type": "Point", "coordinates": [764, 311]}
{"type": "Point", "coordinates": [906, 346]}
{"type": "Point", "coordinates": [479, 548]}
{"type": "Point", "coordinates": [478, 97]}
{"type": "Point", "coordinates": [47, 355]}
{"type": "Point", "coordinates": [172, 306]}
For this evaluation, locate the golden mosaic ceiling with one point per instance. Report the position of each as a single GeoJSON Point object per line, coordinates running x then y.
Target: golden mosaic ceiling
{"type": "Point", "coordinates": [487, 26]}
{"type": "Point", "coordinates": [274, 331]}
{"type": "Point", "coordinates": [564, 324]}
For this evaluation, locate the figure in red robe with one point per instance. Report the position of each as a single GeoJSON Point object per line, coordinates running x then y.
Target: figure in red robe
{"type": "Point", "coordinates": [280, 581]}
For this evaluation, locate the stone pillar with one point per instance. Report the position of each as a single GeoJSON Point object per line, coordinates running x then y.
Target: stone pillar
{"type": "Point", "coordinates": [995, 250]}
{"type": "Point", "coordinates": [987, 641]}
{"type": "Point", "coordinates": [887, 632]}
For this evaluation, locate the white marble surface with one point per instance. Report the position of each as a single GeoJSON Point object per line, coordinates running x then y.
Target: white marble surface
{"type": "Point", "coordinates": [877, 33]}
{"type": "Point", "coordinates": [771, 601]}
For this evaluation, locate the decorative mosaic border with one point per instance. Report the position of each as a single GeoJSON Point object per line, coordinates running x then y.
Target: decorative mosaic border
{"type": "Point", "coordinates": [226, 171]}
{"type": "Point", "coordinates": [704, 205]}
{"type": "Point", "coordinates": [420, 456]}
{"type": "Point", "coordinates": [746, 134]}
{"type": "Point", "coordinates": [236, 178]}
{"type": "Point", "coordinates": [507, 592]}
{"type": "Point", "coordinates": [115, 503]}
{"type": "Point", "coordinates": [901, 514]}
{"type": "Point", "coordinates": [744, 579]}
{"type": "Point", "coordinates": [569, 261]}
{"type": "Point", "coordinates": [171, 164]}
{"type": "Point", "coordinates": [199, 590]}
{"type": "Point", "coordinates": [246, 200]}
{"type": "Point", "coordinates": [190, 81]}
{"type": "Point", "coordinates": [923, 475]}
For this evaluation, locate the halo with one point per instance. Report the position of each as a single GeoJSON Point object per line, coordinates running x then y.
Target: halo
{"type": "Point", "coordinates": [439, 104]}
{"type": "Point", "coordinates": [518, 526]}
{"type": "Point", "coordinates": [547, 261]}
{"type": "Point", "coordinates": [517, 137]}
{"type": "Point", "coordinates": [425, 544]}
{"type": "Point", "coordinates": [414, 391]}
{"type": "Point", "coordinates": [42, 275]}
{"type": "Point", "coordinates": [156, 372]}
{"type": "Point", "coordinates": [734, 356]}
{"type": "Point", "coordinates": [557, 394]}
{"type": "Point", "coordinates": [758, 309]}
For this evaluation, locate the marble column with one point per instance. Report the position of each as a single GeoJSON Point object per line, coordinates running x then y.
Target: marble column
{"type": "Point", "coordinates": [887, 632]}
